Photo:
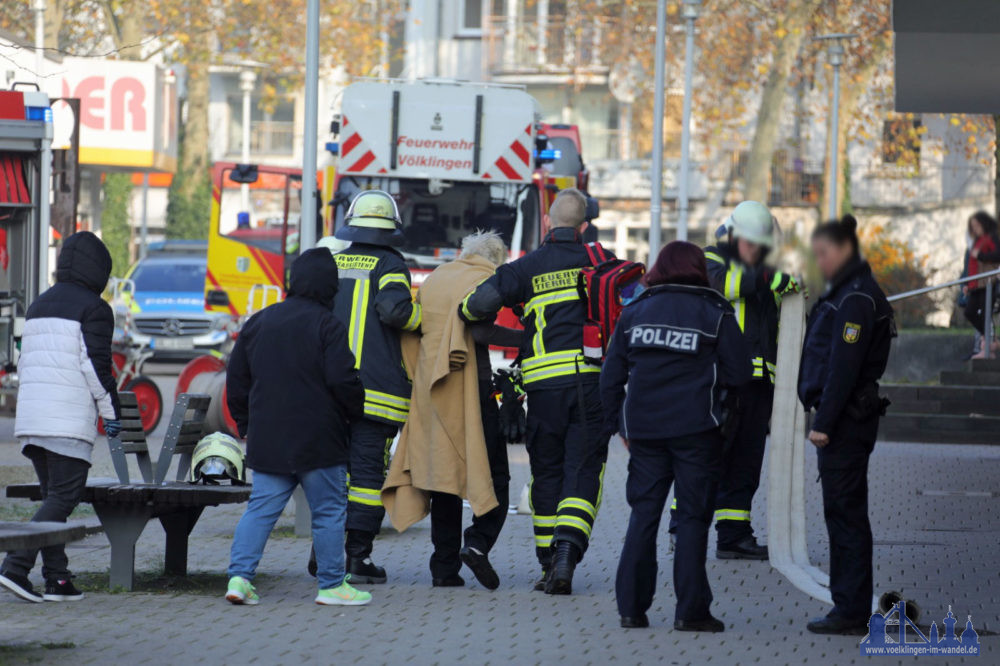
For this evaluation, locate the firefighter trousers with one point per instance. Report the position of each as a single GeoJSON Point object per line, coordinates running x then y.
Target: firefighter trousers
{"type": "Point", "coordinates": [369, 461]}
{"type": "Point", "coordinates": [567, 455]}
{"type": "Point", "coordinates": [843, 470]}
{"type": "Point", "coordinates": [742, 464]}
{"type": "Point", "coordinates": [446, 510]}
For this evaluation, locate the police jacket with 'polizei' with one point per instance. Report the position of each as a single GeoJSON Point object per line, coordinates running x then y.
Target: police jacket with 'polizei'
{"type": "Point", "coordinates": [546, 282]}
{"type": "Point", "coordinates": [676, 347]}
{"type": "Point", "coordinates": [375, 303]}
{"type": "Point", "coordinates": [756, 306]}
{"type": "Point", "coordinates": [847, 344]}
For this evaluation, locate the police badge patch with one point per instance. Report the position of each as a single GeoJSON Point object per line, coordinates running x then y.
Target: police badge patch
{"type": "Point", "coordinates": [852, 332]}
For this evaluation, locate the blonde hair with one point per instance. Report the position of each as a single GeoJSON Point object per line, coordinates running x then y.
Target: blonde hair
{"type": "Point", "coordinates": [486, 244]}
{"type": "Point", "coordinates": [569, 208]}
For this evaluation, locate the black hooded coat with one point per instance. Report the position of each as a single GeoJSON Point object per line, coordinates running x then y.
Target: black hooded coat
{"type": "Point", "coordinates": [291, 384]}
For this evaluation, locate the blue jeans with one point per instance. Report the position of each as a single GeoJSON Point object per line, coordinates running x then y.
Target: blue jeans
{"type": "Point", "coordinates": [326, 492]}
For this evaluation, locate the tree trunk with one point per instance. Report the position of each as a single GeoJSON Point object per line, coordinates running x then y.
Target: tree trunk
{"type": "Point", "coordinates": [55, 11]}
{"type": "Point", "coordinates": [194, 150]}
{"type": "Point", "coordinates": [996, 166]}
{"type": "Point", "coordinates": [765, 138]}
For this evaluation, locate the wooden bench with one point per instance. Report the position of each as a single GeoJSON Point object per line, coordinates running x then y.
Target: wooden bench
{"type": "Point", "coordinates": [124, 508]}
{"type": "Point", "coordinates": [19, 535]}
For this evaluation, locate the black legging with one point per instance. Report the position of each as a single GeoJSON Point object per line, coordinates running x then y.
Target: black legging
{"type": "Point", "coordinates": [975, 309]}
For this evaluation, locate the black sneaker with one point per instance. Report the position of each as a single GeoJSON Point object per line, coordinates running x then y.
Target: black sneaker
{"type": "Point", "coordinates": [365, 572]}
{"type": "Point", "coordinates": [21, 586]}
{"type": "Point", "coordinates": [62, 590]}
{"type": "Point", "coordinates": [481, 568]}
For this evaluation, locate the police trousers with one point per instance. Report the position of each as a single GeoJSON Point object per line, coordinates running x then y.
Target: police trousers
{"type": "Point", "coordinates": [446, 510]}
{"type": "Point", "coordinates": [843, 471]}
{"type": "Point", "coordinates": [742, 463]}
{"type": "Point", "coordinates": [567, 455]}
{"type": "Point", "coordinates": [691, 463]}
{"type": "Point", "coordinates": [368, 463]}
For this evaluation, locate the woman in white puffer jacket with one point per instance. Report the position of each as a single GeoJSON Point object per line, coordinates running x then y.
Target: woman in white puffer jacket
{"type": "Point", "coordinates": [65, 382]}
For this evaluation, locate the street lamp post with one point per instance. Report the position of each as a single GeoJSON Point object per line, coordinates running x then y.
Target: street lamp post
{"type": "Point", "coordinates": [690, 15]}
{"type": "Point", "coordinates": [247, 80]}
{"type": "Point", "coordinates": [835, 54]}
{"type": "Point", "coordinates": [656, 172]}
{"type": "Point", "coordinates": [307, 222]}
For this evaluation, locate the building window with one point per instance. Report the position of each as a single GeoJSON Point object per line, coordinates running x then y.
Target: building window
{"type": "Point", "coordinates": [901, 142]}
{"type": "Point", "coordinates": [471, 24]}
{"type": "Point", "coordinates": [272, 126]}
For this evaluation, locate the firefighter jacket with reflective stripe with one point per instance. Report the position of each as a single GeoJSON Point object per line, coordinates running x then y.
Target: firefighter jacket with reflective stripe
{"type": "Point", "coordinates": [846, 346]}
{"type": "Point", "coordinates": [676, 347]}
{"type": "Point", "coordinates": [756, 305]}
{"type": "Point", "coordinates": [375, 303]}
{"type": "Point", "coordinates": [545, 282]}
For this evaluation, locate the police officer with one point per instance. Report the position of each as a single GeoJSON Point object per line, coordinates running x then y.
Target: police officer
{"type": "Point", "coordinates": [737, 269]}
{"type": "Point", "coordinates": [375, 303]}
{"type": "Point", "coordinates": [845, 353]}
{"type": "Point", "coordinates": [566, 449]}
{"type": "Point", "coordinates": [676, 346]}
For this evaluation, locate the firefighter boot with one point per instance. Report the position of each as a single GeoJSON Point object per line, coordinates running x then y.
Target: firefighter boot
{"type": "Point", "coordinates": [564, 562]}
{"type": "Point", "coordinates": [360, 567]}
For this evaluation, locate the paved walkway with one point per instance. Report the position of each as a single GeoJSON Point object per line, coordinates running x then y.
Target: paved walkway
{"type": "Point", "coordinates": [937, 519]}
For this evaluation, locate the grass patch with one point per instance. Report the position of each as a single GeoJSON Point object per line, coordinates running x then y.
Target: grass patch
{"type": "Point", "coordinates": [31, 653]}
{"type": "Point", "coordinates": [283, 532]}
{"type": "Point", "coordinates": [156, 582]}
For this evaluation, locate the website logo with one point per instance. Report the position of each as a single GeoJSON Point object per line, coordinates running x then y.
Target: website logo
{"type": "Point", "coordinates": [888, 635]}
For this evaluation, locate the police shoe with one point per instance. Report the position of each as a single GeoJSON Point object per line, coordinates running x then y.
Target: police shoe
{"type": "Point", "coordinates": [450, 581]}
{"type": "Point", "coordinates": [709, 625]}
{"type": "Point", "coordinates": [481, 568]}
{"type": "Point", "coordinates": [837, 625]}
{"type": "Point", "coordinates": [564, 562]}
{"type": "Point", "coordinates": [365, 572]}
{"type": "Point", "coordinates": [746, 549]}
{"type": "Point", "coordinates": [637, 622]}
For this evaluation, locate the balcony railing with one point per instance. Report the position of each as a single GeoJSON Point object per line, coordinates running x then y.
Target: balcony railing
{"type": "Point", "coordinates": [548, 45]}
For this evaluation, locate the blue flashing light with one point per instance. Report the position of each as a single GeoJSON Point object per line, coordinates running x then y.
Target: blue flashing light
{"type": "Point", "coordinates": [333, 147]}
{"type": "Point", "coordinates": [38, 113]}
{"type": "Point", "coordinates": [548, 154]}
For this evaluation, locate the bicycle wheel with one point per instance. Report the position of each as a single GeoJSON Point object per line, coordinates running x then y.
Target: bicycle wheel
{"type": "Point", "coordinates": [150, 400]}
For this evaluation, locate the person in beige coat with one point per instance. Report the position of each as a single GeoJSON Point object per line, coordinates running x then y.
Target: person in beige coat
{"type": "Point", "coordinates": [451, 446]}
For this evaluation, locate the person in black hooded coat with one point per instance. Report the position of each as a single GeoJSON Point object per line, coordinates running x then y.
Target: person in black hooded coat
{"type": "Point", "coordinates": [293, 391]}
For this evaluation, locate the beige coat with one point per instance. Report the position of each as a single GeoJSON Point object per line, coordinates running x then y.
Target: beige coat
{"type": "Point", "coordinates": [442, 447]}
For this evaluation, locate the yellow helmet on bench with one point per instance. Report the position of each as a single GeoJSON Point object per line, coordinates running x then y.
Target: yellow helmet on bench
{"type": "Point", "coordinates": [218, 457]}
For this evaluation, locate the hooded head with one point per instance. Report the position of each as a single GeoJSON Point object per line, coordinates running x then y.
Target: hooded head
{"type": "Point", "coordinates": [314, 276]}
{"type": "Point", "coordinates": [84, 260]}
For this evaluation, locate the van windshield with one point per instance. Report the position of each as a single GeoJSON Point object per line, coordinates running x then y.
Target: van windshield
{"type": "Point", "coordinates": [437, 215]}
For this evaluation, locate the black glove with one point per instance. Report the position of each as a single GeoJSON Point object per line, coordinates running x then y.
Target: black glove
{"type": "Point", "coordinates": [113, 428]}
{"type": "Point", "coordinates": [513, 422]}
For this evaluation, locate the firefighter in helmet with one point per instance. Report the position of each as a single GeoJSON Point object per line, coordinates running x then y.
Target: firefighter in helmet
{"type": "Point", "coordinates": [375, 303]}
{"type": "Point", "coordinates": [737, 269]}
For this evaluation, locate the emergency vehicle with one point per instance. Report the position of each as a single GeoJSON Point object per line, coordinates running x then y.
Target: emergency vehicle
{"type": "Point", "coordinates": [456, 156]}
{"type": "Point", "coordinates": [25, 166]}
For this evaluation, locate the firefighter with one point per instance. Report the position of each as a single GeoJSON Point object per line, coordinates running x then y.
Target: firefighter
{"type": "Point", "coordinates": [844, 355]}
{"type": "Point", "coordinates": [677, 347]}
{"type": "Point", "coordinates": [737, 269]}
{"type": "Point", "coordinates": [375, 304]}
{"type": "Point", "coordinates": [566, 449]}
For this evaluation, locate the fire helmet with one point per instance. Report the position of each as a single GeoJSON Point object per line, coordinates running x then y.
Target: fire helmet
{"type": "Point", "coordinates": [218, 457]}
{"type": "Point", "coordinates": [373, 218]}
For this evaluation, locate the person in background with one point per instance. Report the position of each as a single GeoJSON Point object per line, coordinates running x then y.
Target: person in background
{"type": "Point", "coordinates": [452, 446]}
{"type": "Point", "coordinates": [66, 382]}
{"type": "Point", "coordinates": [677, 346]}
{"type": "Point", "coordinates": [844, 355]}
{"type": "Point", "coordinates": [983, 256]}
{"type": "Point", "coordinates": [293, 391]}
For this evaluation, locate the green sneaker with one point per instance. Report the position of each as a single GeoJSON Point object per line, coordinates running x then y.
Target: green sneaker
{"type": "Point", "coordinates": [345, 595]}
{"type": "Point", "coordinates": [241, 592]}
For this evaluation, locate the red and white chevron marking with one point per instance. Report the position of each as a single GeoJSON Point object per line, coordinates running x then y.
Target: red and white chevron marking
{"type": "Point", "coordinates": [355, 152]}
{"type": "Point", "coordinates": [515, 162]}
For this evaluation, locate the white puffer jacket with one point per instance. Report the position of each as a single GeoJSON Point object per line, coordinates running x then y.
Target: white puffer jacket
{"type": "Point", "coordinates": [65, 365]}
